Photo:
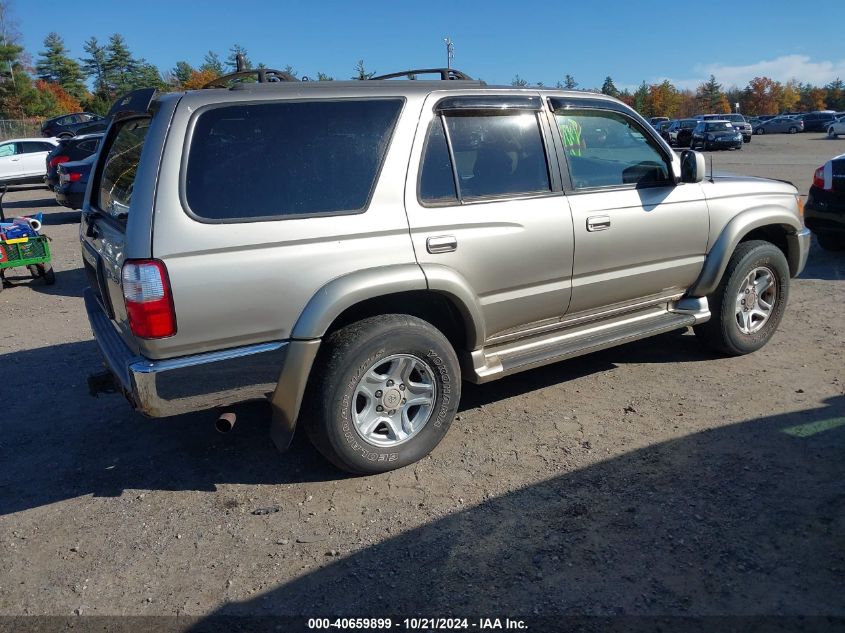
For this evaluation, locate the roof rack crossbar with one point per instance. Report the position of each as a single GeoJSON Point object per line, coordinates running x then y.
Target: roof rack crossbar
{"type": "Point", "coordinates": [445, 74]}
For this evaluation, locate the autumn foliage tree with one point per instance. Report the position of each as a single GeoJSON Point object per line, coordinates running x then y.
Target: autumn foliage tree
{"type": "Point", "coordinates": [762, 96]}
{"type": "Point", "coordinates": [199, 78]}
{"type": "Point", "coordinates": [65, 102]}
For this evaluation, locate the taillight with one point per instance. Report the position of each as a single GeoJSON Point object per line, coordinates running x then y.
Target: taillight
{"type": "Point", "coordinates": [818, 178]}
{"type": "Point", "coordinates": [149, 304]}
{"type": "Point", "coordinates": [58, 159]}
{"type": "Point", "coordinates": [73, 176]}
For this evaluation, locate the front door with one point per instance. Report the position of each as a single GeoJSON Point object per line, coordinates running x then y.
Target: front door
{"type": "Point", "coordinates": [639, 235]}
{"type": "Point", "coordinates": [485, 207]}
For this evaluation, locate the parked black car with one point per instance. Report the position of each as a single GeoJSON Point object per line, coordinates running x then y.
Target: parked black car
{"type": "Point", "coordinates": [818, 121]}
{"type": "Point", "coordinates": [824, 211]}
{"type": "Point", "coordinates": [680, 132]}
{"type": "Point", "coordinates": [661, 128]}
{"type": "Point", "coordinates": [73, 180]}
{"type": "Point", "coordinates": [737, 120]}
{"type": "Point", "coordinates": [716, 135]}
{"type": "Point", "coordinates": [69, 125]}
{"type": "Point", "coordinates": [68, 150]}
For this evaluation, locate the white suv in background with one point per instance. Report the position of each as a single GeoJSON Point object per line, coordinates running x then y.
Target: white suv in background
{"type": "Point", "coordinates": [23, 160]}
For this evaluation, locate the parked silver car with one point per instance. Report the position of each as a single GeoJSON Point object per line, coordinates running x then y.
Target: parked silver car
{"type": "Point", "coordinates": [779, 125]}
{"type": "Point", "coordinates": [354, 250]}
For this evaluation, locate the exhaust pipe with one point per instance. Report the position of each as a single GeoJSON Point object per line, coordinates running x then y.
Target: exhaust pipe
{"type": "Point", "coordinates": [225, 423]}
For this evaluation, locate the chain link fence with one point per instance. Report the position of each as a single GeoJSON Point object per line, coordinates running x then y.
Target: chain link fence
{"type": "Point", "coordinates": [19, 128]}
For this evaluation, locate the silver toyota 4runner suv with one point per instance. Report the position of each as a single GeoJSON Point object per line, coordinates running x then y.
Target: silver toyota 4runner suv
{"type": "Point", "coordinates": [354, 250]}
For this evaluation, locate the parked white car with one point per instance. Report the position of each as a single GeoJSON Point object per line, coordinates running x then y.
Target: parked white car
{"type": "Point", "coordinates": [24, 160]}
{"type": "Point", "coordinates": [836, 127]}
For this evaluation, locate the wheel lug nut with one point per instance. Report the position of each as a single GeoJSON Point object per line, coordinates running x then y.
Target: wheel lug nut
{"type": "Point", "coordinates": [378, 393]}
{"type": "Point", "coordinates": [392, 412]}
{"type": "Point", "coordinates": [404, 401]}
{"type": "Point", "coordinates": [389, 383]}
{"type": "Point", "coordinates": [379, 408]}
{"type": "Point", "coordinates": [402, 387]}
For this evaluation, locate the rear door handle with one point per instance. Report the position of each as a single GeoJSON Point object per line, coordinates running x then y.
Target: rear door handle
{"type": "Point", "coordinates": [598, 223]}
{"type": "Point", "coordinates": [441, 244]}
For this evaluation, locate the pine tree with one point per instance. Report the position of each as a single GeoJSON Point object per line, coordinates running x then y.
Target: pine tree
{"type": "Point", "coordinates": [569, 82]}
{"type": "Point", "coordinates": [55, 66]}
{"type": "Point", "coordinates": [211, 64]}
{"type": "Point", "coordinates": [641, 98]}
{"type": "Point", "coordinates": [518, 81]}
{"type": "Point", "coordinates": [182, 72]}
{"type": "Point", "coordinates": [361, 71]}
{"type": "Point", "coordinates": [609, 88]}
{"type": "Point", "coordinates": [94, 65]}
{"type": "Point", "coordinates": [710, 96]}
{"type": "Point", "coordinates": [324, 77]}
{"type": "Point", "coordinates": [232, 59]}
{"type": "Point", "coordinates": [119, 65]}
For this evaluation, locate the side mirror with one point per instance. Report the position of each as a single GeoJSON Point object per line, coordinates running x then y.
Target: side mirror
{"type": "Point", "coordinates": [693, 166]}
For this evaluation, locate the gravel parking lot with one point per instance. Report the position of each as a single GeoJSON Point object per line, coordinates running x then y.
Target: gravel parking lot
{"type": "Point", "coordinates": [653, 478]}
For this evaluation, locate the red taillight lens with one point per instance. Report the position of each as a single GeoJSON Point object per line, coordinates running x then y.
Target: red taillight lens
{"type": "Point", "coordinates": [149, 304]}
{"type": "Point", "coordinates": [58, 159]}
{"type": "Point", "coordinates": [818, 178]}
{"type": "Point", "coordinates": [73, 176]}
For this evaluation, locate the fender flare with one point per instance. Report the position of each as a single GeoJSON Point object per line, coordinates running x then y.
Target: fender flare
{"type": "Point", "coordinates": [345, 291]}
{"type": "Point", "coordinates": [732, 234]}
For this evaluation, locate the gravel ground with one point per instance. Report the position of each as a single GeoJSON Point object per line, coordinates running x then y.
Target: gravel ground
{"type": "Point", "coordinates": [653, 478]}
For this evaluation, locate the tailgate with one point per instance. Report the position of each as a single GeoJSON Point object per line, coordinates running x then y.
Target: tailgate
{"type": "Point", "coordinates": [116, 222]}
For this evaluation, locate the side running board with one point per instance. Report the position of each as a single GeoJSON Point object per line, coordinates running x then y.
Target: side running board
{"type": "Point", "coordinates": [551, 347]}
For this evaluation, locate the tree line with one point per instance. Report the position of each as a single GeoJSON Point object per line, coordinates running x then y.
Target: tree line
{"type": "Point", "coordinates": [762, 95]}
{"type": "Point", "coordinates": [57, 83]}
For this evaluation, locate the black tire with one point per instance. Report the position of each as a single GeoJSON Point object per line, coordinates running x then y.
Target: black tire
{"type": "Point", "coordinates": [345, 357]}
{"type": "Point", "coordinates": [722, 332]}
{"type": "Point", "coordinates": [831, 242]}
{"type": "Point", "coordinates": [793, 130]}
{"type": "Point", "coordinates": [746, 139]}
{"type": "Point", "coordinates": [760, 131]}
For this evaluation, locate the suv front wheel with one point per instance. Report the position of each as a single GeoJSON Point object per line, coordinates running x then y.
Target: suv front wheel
{"type": "Point", "coordinates": [749, 302]}
{"type": "Point", "coordinates": [383, 393]}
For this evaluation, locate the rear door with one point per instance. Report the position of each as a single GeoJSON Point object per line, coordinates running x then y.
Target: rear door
{"type": "Point", "coordinates": [485, 206]}
{"type": "Point", "coordinates": [9, 160]}
{"type": "Point", "coordinates": [639, 235]}
{"type": "Point", "coordinates": [33, 157]}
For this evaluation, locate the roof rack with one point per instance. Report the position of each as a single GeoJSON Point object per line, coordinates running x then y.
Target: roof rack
{"type": "Point", "coordinates": [262, 75]}
{"type": "Point", "coordinates": [445, 73]}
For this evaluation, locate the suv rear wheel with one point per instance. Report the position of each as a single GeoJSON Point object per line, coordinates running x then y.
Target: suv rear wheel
{"type": "Point", "coordinates": [384, 393]}
{"type": "Point", "coordinates": [749, 302]}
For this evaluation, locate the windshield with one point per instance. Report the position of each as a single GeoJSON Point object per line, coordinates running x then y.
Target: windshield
{"type": "Point", "coordinates": [719, 126]}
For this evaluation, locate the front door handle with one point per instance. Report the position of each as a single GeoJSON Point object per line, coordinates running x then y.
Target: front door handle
{"type": "Point", "coordinates": [598, 223]}
{"type": "Point", "coordinates": [441, 244]}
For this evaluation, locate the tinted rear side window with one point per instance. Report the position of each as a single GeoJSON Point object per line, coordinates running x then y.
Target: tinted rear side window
{"type": "Point", "coordinates": [120, 167]}
{"type": "Point", "coordinates": [259, 161]}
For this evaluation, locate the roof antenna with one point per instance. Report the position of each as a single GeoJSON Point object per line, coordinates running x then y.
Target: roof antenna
{"type": "Point", "coordinates": [711, 168]}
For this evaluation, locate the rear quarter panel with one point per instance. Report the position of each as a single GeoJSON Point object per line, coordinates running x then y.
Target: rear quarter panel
{"type": "Point", "coordinates": [241, 283]}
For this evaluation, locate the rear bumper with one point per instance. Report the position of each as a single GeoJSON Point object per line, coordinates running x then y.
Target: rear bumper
{"type": "Point", "coordinates": [824, 211]}
{"type": "Point", "coordinates": [69, 199]}
{"type": "Point", "coordinates": [160, 388]}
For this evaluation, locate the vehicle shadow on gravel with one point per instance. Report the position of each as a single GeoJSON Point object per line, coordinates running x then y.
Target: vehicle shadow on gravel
{"type": "Point", "coordinates": [743, 519]}
{"type": "Point", "coordinates": [100, 447]}
{"type": "Point", "coordinates": [69, 283]}
{"type": "Point", "coordinates": [824, 265]}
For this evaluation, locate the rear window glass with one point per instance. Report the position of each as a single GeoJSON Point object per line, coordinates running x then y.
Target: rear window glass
{"type": "Point", "coordinates": [120, 167]}
{"type": "Point", "coordinates": [287, 159]}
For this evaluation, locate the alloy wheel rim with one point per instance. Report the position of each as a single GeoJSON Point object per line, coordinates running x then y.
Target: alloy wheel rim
{"type": "Point", "coordinates": [393, 400]}
{"type": "Point", "coordinates": [755, 300]}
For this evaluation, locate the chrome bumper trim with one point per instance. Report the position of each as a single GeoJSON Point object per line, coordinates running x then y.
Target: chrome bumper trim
{"type": "Point", "coordinates": [160, 388]}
